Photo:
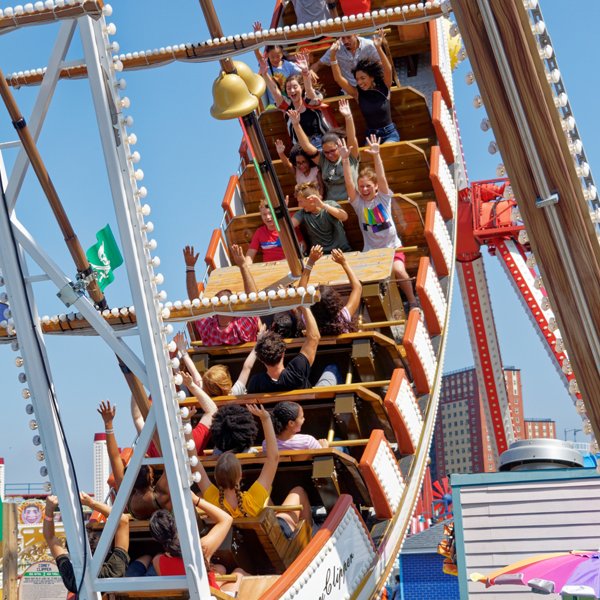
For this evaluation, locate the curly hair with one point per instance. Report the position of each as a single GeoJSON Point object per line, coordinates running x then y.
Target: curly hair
{"type": "Point", "coordinates": [282, 414]}
{"type": "Point", "coordinates": [328, 313]}
{"type": "Point", "coordinates": [285, 324]}
{"type": "Point", "coordinates": [373, 68]}
{"type": "Point", "coordinates": [233, 428]}
{"type": "Point", "coordinates": [228, 472]}
{"type": "Point", "coordinates": [164, 531]}
{"type": "Point", "coordinates": [297, 151]}
{"type": "Point", "coordinates": [270, 348]}
{"type": "Point", "coordinates": [216, 381]}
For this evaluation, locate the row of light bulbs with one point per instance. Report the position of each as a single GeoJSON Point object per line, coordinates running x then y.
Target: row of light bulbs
{"type": "Point", "coordinates": [22, 378]}
{"type": "Point", "coordinates": [149, 245]}
{"type": "Point", "coordinates": [561, 101]}
{"type": "Point", "coordinates": [583, 171]}
{"type": "Point", "coordinates": [33, 7]}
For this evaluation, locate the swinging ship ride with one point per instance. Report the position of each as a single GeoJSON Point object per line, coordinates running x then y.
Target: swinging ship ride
{"type": "Point", "coordinates": [383, 414]}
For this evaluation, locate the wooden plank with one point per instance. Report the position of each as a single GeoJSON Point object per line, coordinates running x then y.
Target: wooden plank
{"type": "Point", "coordinates": [10, 551]}
{"type": "Point", "coordinates": [375, 265]}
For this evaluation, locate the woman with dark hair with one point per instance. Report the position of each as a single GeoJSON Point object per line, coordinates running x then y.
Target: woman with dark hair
{"type": "Point", "coordinates": [288, 418]}
{"type": "Point", "coordinates": [300, 164]}
{"type": "Point", "coordinates": [333, 315]}
{"type": "Point", "coordinates": [226, 491]}
{"type": "Point", "coordinates": [328, 157]}
{"type": "Point", "coordinates": [372, 91]}
{"type": "Point", "coordinates": [170, 562]}
{"type": "Point", "coordinates": [301, 96]}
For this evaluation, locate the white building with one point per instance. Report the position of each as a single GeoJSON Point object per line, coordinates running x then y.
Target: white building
{"type": "Point", "coordinates": [101, 467]}
{"type": "Point", "coordinates": [2, 479]}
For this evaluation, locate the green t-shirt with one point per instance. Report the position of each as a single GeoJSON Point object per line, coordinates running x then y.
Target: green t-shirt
{"type": "Point", "coordinates": [333, 177]}
{"type": "Point", "coordinates": [324, 229]}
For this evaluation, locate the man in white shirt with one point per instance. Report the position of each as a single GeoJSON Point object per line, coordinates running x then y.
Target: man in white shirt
{"type": "Point", "coordinates": [352, 49]}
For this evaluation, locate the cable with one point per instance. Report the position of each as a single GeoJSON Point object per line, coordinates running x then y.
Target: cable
{"type": "Point", "coordinates": [51, 391]}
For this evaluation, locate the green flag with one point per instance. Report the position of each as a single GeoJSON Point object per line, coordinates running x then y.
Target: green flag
{"type": "Point", "coordinates": [105, 256]}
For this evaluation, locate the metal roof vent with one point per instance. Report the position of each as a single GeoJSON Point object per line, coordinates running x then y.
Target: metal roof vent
{"type": "Point", "coordinates": [530, 455]}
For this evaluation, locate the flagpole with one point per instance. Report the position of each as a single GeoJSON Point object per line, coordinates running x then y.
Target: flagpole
{"type": "Point", "coordinates": [84, 269]}
{"type": "Point", "coordinates": [82, 264]}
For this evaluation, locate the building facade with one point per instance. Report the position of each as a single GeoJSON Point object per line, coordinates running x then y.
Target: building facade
{"type": "Point", "coordinates": [540, 428]}
{"type": "Point", "coordinates": [101, 467]}
{"type": "Point", "coordinates": [1, 479]}
{"type": "Point", "coordinates": [462, 441]}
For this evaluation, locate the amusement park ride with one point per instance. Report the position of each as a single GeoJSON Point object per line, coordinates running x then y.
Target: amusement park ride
{"type": "Point", "coordinates": [386, 408]}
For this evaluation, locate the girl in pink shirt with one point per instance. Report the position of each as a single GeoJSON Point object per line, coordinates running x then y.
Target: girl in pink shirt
{"type": "Point", "coordinates": [288, 418]}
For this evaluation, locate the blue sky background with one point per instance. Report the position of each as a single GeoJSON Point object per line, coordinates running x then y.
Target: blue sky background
{"type": "Point", "coordinates": [187, 158]}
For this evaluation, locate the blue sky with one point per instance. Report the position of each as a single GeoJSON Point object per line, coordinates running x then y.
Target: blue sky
{"type": "Point", "coordinates": [187, 158]}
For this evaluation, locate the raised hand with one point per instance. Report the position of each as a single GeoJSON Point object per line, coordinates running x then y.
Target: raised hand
{"type": "Point", "coordinates": [379, 38]}
{"type": "Point", "coordinates": [261, 329]}
{"type": "Point", "coordinates": [258, 410]}
{"type": "Point", "coordinates": [294, 116]}
{"type": "Point", "coordinates": [344, 108]}
{"type": "Point", "coordinates": [237, 254]}
{"type": "Point", "coordinates": [279, 147]}
{"type": "Point", "coordinates": [51, 503]}
{"type": "Point", "coordinates": [263, 67]}
{"type": "Point", "coordinates": [302, 62]}
{"type": "Point", "coordinates": [345, 150]}
{"type": "Point", "coordinates": [187, 379]}
{"type": "Point", "coordinates": [257, 26]}
{"type": "Point", "coordinates": [316, 252]}
{"type": "Point", "coordinates": [337, 256]}
{"type": "Point", "coordinates": [334, 49]}
{"type": "Point", "coordinates": [374, 143]}
{"type": "Point", "coordinates": [86, 499]}
{"type": "Point", "coordinates": [180, 342]}
{"type": "Point", "coordinates": [107, 412]}
{"type": "Point", "coordinates": [189, 256]}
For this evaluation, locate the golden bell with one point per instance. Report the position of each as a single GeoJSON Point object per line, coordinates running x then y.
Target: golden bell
{"type": "Point", "coordinates": [256, 84]}
{"type": "Point", "coordinates": [231, 97]}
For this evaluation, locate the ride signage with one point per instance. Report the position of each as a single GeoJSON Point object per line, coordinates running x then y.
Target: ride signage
{"type": "Point", "coordinates": [42, 581]}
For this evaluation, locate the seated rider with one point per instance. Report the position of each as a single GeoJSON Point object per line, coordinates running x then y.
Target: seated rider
{"type": "Point", "coordinates": [266, 238]}
{"type": "Point", "coordinates": [226, 492]}
{"type": "Point", "coordinates": [221, 329]}
{"type": "Point", "coordinates": [323, 221]}
{"type": "Point", "coordinates": [374, 79]}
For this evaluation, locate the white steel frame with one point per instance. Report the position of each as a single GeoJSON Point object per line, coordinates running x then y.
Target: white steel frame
{"type": "Point", "coordinates": [153, 368]}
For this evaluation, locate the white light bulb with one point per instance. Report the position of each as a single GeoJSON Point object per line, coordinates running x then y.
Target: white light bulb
{"type": "Point", "coordinates": [262, 295]}
{"type": "Point", "coordinates": [114, 47]}
{"type": "Point", "coordinates": [561, 100]}
{"type": "Point", "coordinates": [177, 379]}
{"type": "Point", "coordinates": [243, 297]}
{"type": "Point", "coordinates": [187, 429]}
{"type": "Point", "coordinates": [145, 209]}
{"type": "Point", "coordinates": [142, 192]}
{"type": "Point", "coordinates": [106, 10]}
{"type": "Point", "coordinates": [138, 174]}
{"type": "Point", "coordinates": [111, 29]}
{"type": "Point", "coordinates": [282, 293]}
{"type": "Point", "coordinates": [184, 412]}
{"type": "Point", "coordinates": [252, 296]}
{"type": "Point", "coordinates": [159, 279]}
{"type": "Point", "coordinates": [131, 138]}
{"type": "Point", "coordinates": [224, 299]}
{"type": "Point", "coordinates": [233, 299]}
{"type": "Point", "coordinates": [135, 157]}
{"type": "Point", "coordinates": [194, 461]}
{"type": "Point", "coordinates": [493, 147]}
{"type": "Point", "coordinates": [196, 477]}
{"type": "Point", "coordinates": [190, 445]}
{"type": "Point", "coordinates": [272, 294]}
{"type": "Point", "coordinates": [301, 291]}
{"type": "Point", "coordinates": [477, 101]}
{"type": "Point", "coordinates": [469, 78]}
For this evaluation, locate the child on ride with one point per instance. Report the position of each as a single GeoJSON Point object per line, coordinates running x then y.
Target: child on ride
{"type": "Point", "coordinates": [322, 220]}
{"type": "Point", "coordinates": [228, 495]}
{"type": "Point", "coordinates": [288, 418]}
{"type": "Point", "coordinates": [371, 199]}
{"type": "Point", "coordinates": [302, 98]}
{"type": "Point", "coordinates": [300, 164]}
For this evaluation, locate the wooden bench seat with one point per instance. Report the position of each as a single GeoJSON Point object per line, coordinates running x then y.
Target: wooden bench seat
{"type": "Point", "coordinates": [324, 474]}
{"type": "Point", "coordinates": [353, 410]}
{"type": "Point", "coordinates": [410, 113]}
{"type": "Point", "coordinates": [408, 217]}
{"type": "Point", "coordinates": [374, 355]}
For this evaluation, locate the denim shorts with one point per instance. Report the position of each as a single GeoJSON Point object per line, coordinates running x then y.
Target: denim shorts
{"type": "Point", "coordinates": [389, 133]}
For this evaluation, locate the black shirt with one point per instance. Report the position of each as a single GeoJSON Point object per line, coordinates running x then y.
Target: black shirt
{"type": "Point", "coordinates": [114, 566]}
{"type": "Point", "coordinates": [375, 106]}
{"type": "Point", "coordinates": [294, 376]}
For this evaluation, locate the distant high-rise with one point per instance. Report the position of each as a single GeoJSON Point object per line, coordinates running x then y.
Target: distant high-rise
{"type": "Point", "coordinates": [462, 442]}
{"type": "Point", "coordinates": [2, 479]}
{"type": "Point", "coordinates": [101, 467]}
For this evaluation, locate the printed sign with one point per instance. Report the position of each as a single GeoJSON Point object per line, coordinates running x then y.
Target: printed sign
{"type": "Point", "coordinates": [41, 581]}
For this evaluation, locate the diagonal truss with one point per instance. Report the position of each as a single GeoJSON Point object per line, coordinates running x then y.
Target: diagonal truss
{"type": "Point", "coordinates": [153, 368]}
